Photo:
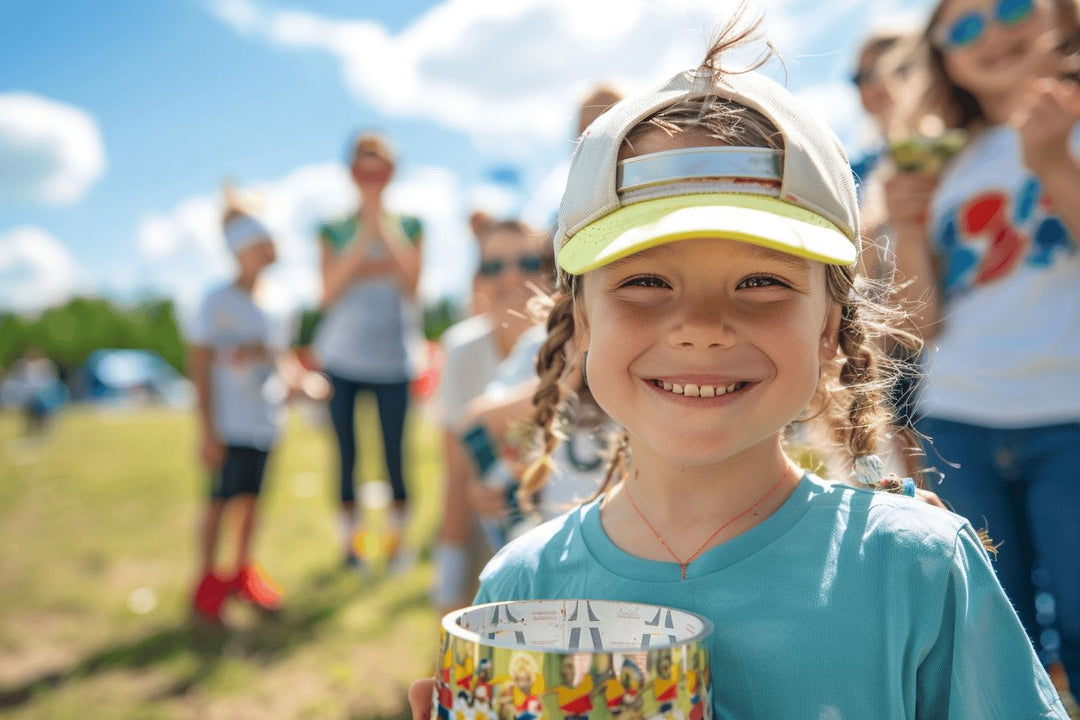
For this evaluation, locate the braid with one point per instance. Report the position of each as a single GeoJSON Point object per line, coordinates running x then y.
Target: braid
{"type": "Point", "coordinates": [550, 366]}
{"type": "Point", "coordinates": [859, 375]}
{"type": "Point", "coordinates": [618, 464]}
{"type": "Point", "coordinates": [866, 370]}
{"type": "Point", "coordinates": [855, 413]}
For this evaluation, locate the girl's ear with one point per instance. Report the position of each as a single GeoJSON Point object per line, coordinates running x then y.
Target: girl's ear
{"type": "Point", "coordinates": [830, 335]}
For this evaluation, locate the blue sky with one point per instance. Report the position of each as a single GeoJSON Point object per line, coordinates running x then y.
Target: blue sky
{"type": "Point", "coordinates": [118, 120]}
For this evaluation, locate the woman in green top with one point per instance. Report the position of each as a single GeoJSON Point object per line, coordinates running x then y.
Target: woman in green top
{"type": "Point", "coordinates": [370, 263]}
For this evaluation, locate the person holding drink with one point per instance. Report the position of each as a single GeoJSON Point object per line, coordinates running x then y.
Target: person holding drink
{"type": "Point", "coordinates": [988, 248]}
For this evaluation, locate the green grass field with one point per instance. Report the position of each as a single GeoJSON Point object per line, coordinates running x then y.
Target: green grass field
{"type": "Point", "coordinates": [97, 556]}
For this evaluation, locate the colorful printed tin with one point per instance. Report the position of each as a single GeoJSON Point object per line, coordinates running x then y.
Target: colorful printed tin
{"type": "Point", "coordinates": [573, 660]}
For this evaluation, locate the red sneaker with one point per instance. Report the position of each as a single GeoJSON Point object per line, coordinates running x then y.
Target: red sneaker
{"type": "Point", "coordinates": [258, 588]}
{"type": "Point", "coordinates": [209, 598]}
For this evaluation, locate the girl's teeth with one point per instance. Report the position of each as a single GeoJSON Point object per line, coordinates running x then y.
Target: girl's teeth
{"type": "Point", "coordinates": [691, 390]}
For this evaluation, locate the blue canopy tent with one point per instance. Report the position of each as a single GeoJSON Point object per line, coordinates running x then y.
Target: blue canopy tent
{"type": "Point", "coordinates": [121, 375]}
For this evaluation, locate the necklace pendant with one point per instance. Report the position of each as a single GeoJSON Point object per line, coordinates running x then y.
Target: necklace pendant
{"type": "Point", "coordinates": [683, 566]}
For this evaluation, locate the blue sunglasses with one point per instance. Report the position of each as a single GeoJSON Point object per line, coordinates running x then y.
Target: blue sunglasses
{"type": "Point", "coordinates": [966, 30]}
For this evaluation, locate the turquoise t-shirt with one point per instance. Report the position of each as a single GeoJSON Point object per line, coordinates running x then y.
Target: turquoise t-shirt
{"type": "Point", "coordinates": [844, 603]}
{"type": "Point", "coordinates": [367, 332]}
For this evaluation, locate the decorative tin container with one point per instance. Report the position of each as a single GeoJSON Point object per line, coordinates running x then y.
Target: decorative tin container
{"type": "Point", "coordinates": [573, 660]}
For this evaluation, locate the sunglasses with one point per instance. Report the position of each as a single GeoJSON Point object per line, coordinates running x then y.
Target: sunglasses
{"type": "Point", "coordinates": [871, 74]}
{"type": "Point", "coordinates": [967, 29]}
{"type": "Point", "coordinates": [530, 264]}
{"type": "Point", "coordinates": [862, 77]}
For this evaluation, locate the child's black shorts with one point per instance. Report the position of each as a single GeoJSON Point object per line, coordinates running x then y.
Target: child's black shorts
{"type": "Point", "coordinates": [240, 474]}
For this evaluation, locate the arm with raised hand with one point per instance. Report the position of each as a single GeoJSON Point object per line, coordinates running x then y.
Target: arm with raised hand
{"type": "Point", "coordinates": [1044, 121]}
{"type": "Point", "coordinates": [338, 268]}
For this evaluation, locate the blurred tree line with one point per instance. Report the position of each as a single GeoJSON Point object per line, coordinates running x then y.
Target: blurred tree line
{"type": "Point", "coordinates": [69, 333]}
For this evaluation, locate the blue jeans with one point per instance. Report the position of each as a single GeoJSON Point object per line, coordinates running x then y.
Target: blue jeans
{"type": "Point", "coordinates": [392, 400]}
{"type": "Point", "coordinates": [1023, 486]}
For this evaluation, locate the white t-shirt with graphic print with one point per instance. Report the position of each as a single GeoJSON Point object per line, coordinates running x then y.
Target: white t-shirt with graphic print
{"type": "Point", "coordinates": [248, 395]}
{"type": "Point", "coordinates": [1008, 352]}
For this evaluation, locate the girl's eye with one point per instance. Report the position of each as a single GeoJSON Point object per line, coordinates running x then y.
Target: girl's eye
{"type": "Point", "coordinates": [761, 281]}
{"type": "Point", "coordinates": [652, 281]}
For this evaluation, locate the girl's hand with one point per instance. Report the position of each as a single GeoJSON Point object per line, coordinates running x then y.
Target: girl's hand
{"type": "Point", "coordinates": [420, 694]}
{"type": "Point", "coordinates": [907, 198]}
{"type": "Point", "coordinates": [371, 205]}
{"type": "Point", "coordinates": [212, 451]}
{"type": "Point", "coordinates": [249, 353]}
{"type": "Point", "coordinates": [930, 498]}
{"type": "Point", "coordinates": [315, 386]}
{"type": "Point", "coordinates": [357, 250]}
{"type": "Point", "coordinates": [487, 501]}
{"type": "Point", "coordinates": [1044, 121]}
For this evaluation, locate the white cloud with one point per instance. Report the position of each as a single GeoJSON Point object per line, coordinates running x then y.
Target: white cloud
{"type": "Point", "coordinates": [542, 207]}
{"type": "Point", "coordinates": [242, 15]}
{"type": "Point", "coordinates": [36, 270]}
{"type": "Point", "coordinates": [183, 253]}
{"type": "Point", "coordinates": [194, 223]}
{"type": "Point", "coordinates": [901, 18]}
{"type": "Point", "coordinates": [49, 151]}
{"type": "Point", "coordinates": [836, 104]}
{"type": "Point", "coordinates": [436, 195]}
{"type": "Point", "coordinates": [511, 73]}
{"type": "Point", "coordinates": [496, 200]}
{"type": "Point", "coordinates": [498, 69]}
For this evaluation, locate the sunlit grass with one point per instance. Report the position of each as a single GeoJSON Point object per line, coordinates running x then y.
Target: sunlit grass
{"type": "Point", "coordinates": [97, 557]}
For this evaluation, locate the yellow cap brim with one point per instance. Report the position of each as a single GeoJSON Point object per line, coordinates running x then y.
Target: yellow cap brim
{"type": "Point", "coordinates": [768, 222]}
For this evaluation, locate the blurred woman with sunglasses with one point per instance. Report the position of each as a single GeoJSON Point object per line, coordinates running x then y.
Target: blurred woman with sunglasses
{"type": "Point", "coordinates": [370, 263]}
{"type": "Point", "coordinates": [881, 65]}
{"type": "Point", "coordinates": [515, 261]}
{"type": "Point", "coordinates": [989, 248]}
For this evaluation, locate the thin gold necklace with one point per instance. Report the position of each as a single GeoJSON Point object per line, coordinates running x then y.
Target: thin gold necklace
{"type": "Point", "coordinates": [683, 564]}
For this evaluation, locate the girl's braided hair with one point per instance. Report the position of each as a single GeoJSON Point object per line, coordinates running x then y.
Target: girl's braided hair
{"type": "Point", "coordinates": [853, 410]}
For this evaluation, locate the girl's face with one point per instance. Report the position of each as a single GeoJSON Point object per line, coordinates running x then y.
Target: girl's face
{"type": "Point", "coordinates": [257, 256]}
{"type": "Point", "coordinates": [873, 86]}
{"type": "Point", "coordinates": [371, 170]}
{"type": "Point", "coordinates": [703, 349]}
{"type": "Point", "coordinates": [509, 261]}
{"type": "Point", "coordinates": [1004, 54]}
